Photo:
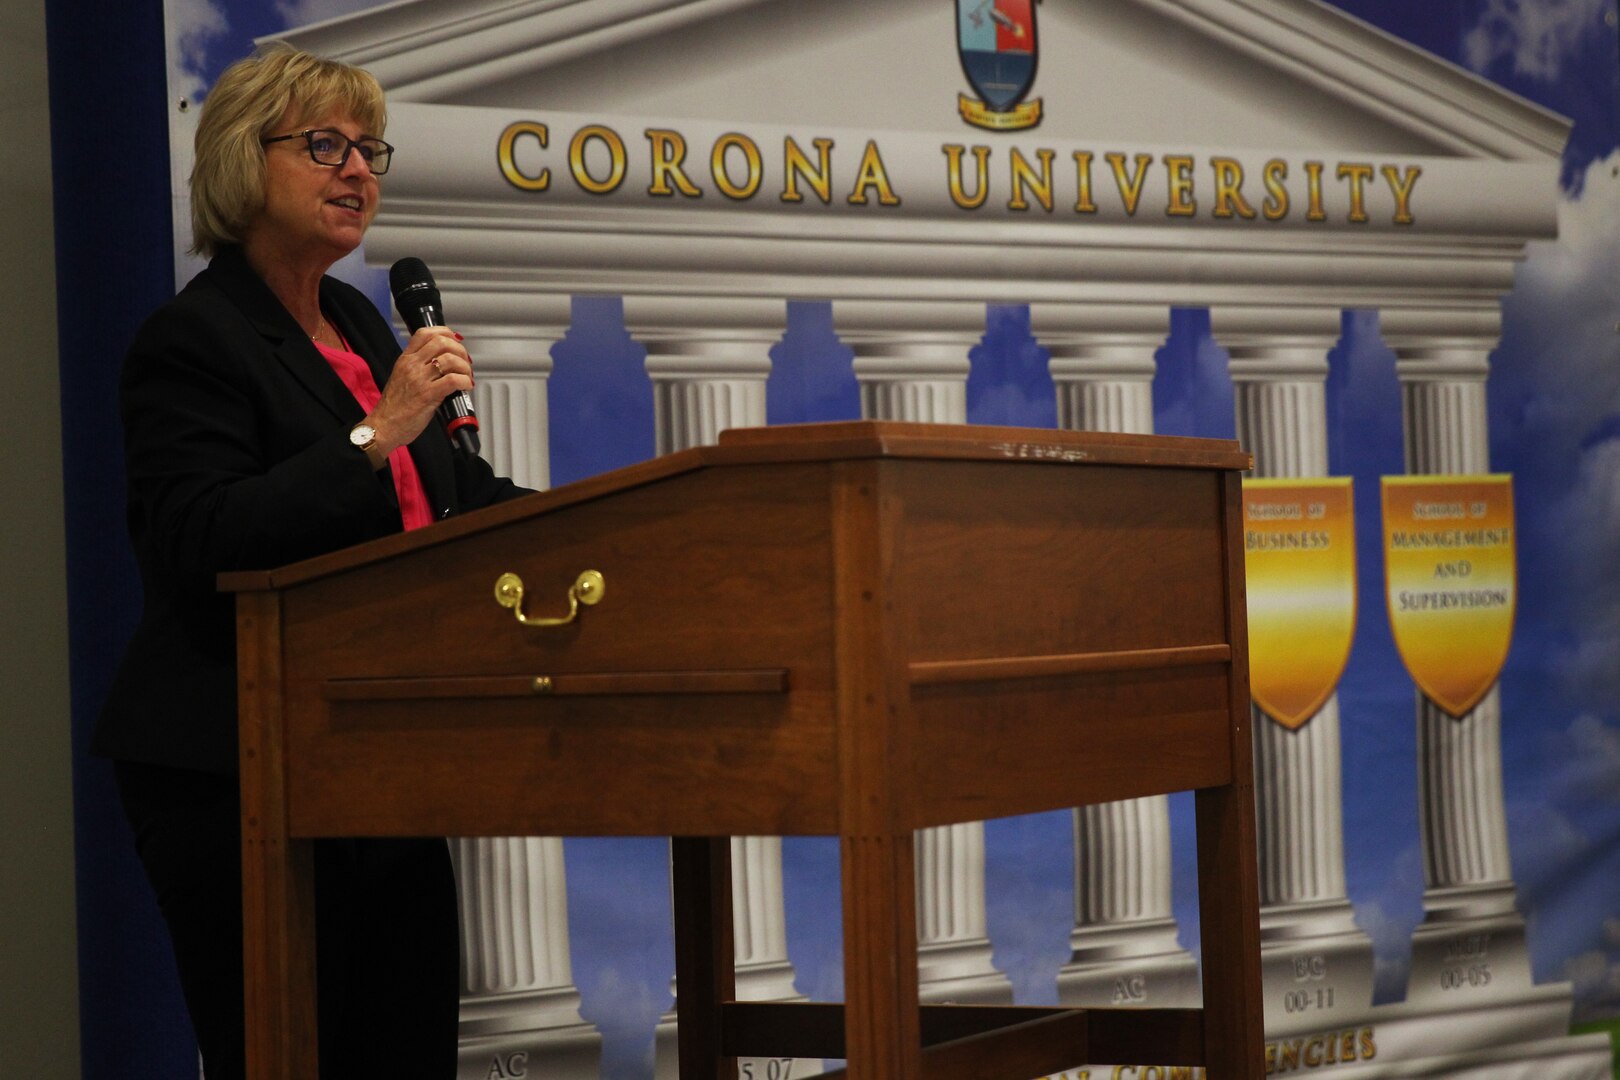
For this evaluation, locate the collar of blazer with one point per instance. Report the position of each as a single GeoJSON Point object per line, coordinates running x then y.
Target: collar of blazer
{"type": "Point", "coordinates": [236, 277]}
{"type": "Point", "coordinates": [368, 335]}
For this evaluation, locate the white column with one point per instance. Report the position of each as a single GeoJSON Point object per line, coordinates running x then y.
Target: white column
{"type": "Point", "coordinates": [759, 923]}
{"type": "Point", "coordinates": [1310, 943]}
{"type": "Point", "coordinates": [519, 1005]}
{"type": "Point", "coordinates": [1124, 948]}
{"type": "Point", "coordinates": [708, 360]}
{"type": "Point", "coordinates": [512, 370]}
{"type": "Point", "coordinates": [953, 954]}
{"type": "Point", "coordinates": [911, 358]}
{"type": "Point", "coordinates": [1102, 362]}
{"type": "Point", "coordinates": [1470, 922]}
{"type": "Point", "coordinates": [912, 363]}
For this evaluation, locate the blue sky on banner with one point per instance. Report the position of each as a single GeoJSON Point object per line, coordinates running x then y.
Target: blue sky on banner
{"type": "Point", "coordinates": [1554, 400]}
{"type": "Point", "coordinates": [1554, 397]}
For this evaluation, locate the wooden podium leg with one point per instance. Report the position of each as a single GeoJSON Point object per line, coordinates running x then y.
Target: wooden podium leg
{"type": "Point", "coordinates": [278, 873]}
{"type": "Point", "coordinates": [278, 909]}
{"type": "Point", "coordinates": [883, 1039]}
{"type": "Point", "coordinates": [1229, 917]}
{"type": "Point", "coordinates": [1228, 862]}
{"type": "Point", "coordinates": [705, 971]}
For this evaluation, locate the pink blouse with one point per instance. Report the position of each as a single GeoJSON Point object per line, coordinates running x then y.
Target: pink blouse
{"type": "Point", "coordinates": [414, 508]}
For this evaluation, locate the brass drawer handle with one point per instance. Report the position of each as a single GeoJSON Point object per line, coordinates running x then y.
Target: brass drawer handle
{"type": "Point", "coordinates": [587, 589]}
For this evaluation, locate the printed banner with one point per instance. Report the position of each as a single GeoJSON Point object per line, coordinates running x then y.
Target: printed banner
{"type": "Point", "coordinates": [1074, 154]}
{"type": "Point", "coordinates": [1451, 581]}
{"type": "Point", "coordinates": [1299, 542]}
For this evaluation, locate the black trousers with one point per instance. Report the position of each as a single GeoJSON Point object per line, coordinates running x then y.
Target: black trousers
{"type": "Point", "coordinates": [387, 960]}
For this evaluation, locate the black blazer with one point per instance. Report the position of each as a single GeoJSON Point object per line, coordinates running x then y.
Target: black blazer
{"type": "Point", "coordinates": [236, 434]}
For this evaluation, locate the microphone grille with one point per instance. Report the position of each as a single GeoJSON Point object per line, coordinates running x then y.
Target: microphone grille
{"type": "Point", "coordinates": [409, 273]}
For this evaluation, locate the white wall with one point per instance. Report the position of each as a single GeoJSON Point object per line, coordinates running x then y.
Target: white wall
{"type": "Point", "coordinates": [39, 1002]}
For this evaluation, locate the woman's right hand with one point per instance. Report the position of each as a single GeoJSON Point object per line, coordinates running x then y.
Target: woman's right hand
{"type": "Point", "coordinates": [433, 366]}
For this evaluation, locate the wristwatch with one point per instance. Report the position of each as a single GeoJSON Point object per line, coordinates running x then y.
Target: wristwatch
{"type": "Point", "coordinates": [363, 436]}
{"type": "Point", "coordinates": [364, 439]}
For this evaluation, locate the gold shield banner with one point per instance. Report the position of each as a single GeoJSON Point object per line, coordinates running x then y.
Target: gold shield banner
{"type": "Point", "coordinates": [1451, 581]}
{"type": "Point", "coordinates": [1299, 542]}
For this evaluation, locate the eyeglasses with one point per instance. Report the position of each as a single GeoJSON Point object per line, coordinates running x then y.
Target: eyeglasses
{"type": "Point", "coordinates": [330, 147]}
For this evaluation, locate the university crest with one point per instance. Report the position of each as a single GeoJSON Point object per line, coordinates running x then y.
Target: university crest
{"type": "Point", "coordinates": [996, 42]}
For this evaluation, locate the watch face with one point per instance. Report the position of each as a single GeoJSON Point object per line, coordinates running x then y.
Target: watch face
{"type": "Point", "coordinates": [363, 435]}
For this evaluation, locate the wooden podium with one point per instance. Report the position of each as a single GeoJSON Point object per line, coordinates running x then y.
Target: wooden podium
{"type": "Point", "coordinates": [855, 629]}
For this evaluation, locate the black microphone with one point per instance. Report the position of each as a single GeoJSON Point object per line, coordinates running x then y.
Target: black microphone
{"type": "Point", "coordinates": [417, 298]}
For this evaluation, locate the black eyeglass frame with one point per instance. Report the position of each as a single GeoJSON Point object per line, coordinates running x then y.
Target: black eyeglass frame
{"type": "Point", "coordinates": [308, 135]}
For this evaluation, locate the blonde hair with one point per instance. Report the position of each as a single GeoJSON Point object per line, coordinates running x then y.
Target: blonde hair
{"type": "Point", "coordinates": [248, 100]}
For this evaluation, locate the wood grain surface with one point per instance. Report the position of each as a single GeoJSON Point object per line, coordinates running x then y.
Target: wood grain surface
{"type": "Point", "coordinates": [851, 629]}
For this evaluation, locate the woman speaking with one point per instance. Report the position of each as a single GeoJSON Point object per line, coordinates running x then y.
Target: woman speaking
{"type": "Point", "coordinates": [270, 416]}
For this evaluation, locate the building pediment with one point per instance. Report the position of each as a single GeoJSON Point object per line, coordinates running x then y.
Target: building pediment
{"type": "Point", "coordinates": [720, 155]}
{"type": "Point", "coordinates": [1234, 73]}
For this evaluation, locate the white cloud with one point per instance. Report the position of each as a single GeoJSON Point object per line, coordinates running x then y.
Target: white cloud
{"type": "Point", "coordinates": [1596, 981]}
{"type": "Point", "coordinates": [618, 997]}
{"type": "Point", "coordinates": [190, 28]}
{"type": "Point", "coordinates": [1588, 970]}
{"type": "Point", "coordinates": [1570, 290]}
{"type": "Point", "coordinates": [1589, 519]}
{"type": "Point", "coordinates": [1559, 340]}
{"type": "Point", "coordinates": [1593, 763]}
{"type": "Point", "coordinates": [1388, 918]}
{"type": "Point", "coordinates": [1392, 949]}
{"type": "Point", "coordinates": [1545, 844]}
{"type": "Point", "coordinates": [1537, 35]}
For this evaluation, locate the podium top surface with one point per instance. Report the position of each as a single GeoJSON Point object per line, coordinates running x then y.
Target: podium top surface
{"type": "Point", "coordinates": [847, 440]}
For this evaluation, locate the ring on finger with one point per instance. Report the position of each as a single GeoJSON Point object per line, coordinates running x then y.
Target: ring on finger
{"type": "Point", "coordinates": [433, 362]}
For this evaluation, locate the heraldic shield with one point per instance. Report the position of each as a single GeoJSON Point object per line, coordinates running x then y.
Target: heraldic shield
{"type": "Point", "coordinates": [997, 45]}
{"type": "Point", "coordinates": [1299, 540]}
{"type": "Point", "coordinates": [1451, 573]}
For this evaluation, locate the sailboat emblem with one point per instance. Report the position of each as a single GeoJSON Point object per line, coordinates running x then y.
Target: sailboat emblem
{"type": "Point", "coordinates": [996, 42]}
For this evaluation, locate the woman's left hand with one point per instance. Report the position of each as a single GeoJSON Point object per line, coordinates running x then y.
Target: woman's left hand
{"type": "Point", "coordinates": [433, 366]}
